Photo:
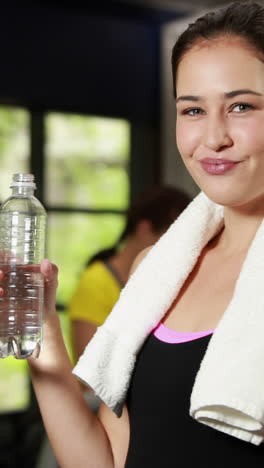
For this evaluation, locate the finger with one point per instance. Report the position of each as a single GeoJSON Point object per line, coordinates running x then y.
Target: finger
{"type": "Point", "coordinates": [46, 268]}
{"type": "Point", "coordinates": [49, 270]}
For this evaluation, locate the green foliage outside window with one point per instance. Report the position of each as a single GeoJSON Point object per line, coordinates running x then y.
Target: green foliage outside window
{"type": "Point", "coordinates": [86, 168]}
{"type": "Point", "coordinates": [86, 162]}
{"type": "Point", "coordinates": [14, 145]}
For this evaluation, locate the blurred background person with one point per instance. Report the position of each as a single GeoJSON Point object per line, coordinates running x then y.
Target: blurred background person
{"type": "Point", "coordinates": [107, 271]}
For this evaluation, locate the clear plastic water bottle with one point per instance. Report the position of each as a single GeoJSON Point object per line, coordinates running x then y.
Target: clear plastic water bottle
{"type": "Point", "coordinates": [22, 247]}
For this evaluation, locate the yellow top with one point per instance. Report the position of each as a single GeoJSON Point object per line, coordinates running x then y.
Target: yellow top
{"type": "Point", "coordinates": [96, 294]}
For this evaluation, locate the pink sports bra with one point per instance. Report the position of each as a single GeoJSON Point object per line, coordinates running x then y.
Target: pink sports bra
{"type": "Point", "coordinates": [172, 336]}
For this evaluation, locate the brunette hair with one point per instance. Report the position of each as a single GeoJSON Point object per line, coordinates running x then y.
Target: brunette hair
{"type": "Point", "coordinates": [160, 205]}
{"type": "Point", "coordinates": [241, 19]}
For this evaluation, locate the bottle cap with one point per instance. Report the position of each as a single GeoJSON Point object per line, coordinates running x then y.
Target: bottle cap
{"type": "Point", "coordinates": [23, 180]}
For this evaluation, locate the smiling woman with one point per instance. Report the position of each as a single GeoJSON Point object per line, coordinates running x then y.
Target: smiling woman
{"type": "Point", "coordinates": [220, 106]}
{"type": "Point", "coordinates": [198, 395]}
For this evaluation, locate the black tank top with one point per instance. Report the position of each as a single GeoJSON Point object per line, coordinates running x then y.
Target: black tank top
{"type": "Point", "coordinates": [162, 433]}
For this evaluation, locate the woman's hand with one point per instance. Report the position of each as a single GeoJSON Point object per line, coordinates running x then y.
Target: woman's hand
{"type": "Point", "coordinates": [50, 274]}
{"type": "Point", "coordinates": [51, 325]}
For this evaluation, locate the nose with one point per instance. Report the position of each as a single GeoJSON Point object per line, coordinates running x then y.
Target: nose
{"type": "Point", "coordinates": [216, 134]}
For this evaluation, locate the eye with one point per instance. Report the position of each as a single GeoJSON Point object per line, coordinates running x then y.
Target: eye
{"type": "Point", "coordinates": [193, 111]}
{"type": "Point", "coordinates": [241, 107]}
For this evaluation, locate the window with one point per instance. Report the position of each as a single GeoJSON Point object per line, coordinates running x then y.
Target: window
{"type": "Point", "coordinates": [86, 189]}
{"type": "Point", "coordinates": [86, 182]}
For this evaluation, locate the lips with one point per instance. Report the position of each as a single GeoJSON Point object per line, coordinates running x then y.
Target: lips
{"type": "Point", "coordinates": [218, 166]}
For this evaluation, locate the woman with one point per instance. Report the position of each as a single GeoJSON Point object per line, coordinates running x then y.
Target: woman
{"type": "Point", "coordinates": [107, 272]}
{"type": "Point", "coordinates": [219, 87]}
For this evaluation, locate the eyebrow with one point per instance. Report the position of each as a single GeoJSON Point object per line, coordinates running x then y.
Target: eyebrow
{"type": "Point", "coordinates": [232, 94]}
{"type": "Point", "coordinates": [228, 95]}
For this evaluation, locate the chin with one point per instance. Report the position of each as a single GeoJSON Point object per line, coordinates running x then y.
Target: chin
{"type": "Point", "coordinates": [227, 198]}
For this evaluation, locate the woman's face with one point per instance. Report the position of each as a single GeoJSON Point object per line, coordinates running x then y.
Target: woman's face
{"type": "Point", "coordinates": [220, 120]}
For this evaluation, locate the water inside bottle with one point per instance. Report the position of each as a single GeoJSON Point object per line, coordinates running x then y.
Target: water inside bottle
{"type": "Point", "coordinates": [21, 310]}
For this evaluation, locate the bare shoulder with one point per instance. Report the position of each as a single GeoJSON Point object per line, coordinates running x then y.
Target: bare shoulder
{"type": "Point", "coordinates": [139, 259]}
{"type": "Point", "coordinates": [118, 432]}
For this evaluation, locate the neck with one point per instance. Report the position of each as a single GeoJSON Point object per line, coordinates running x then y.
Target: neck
{"type": "Point", "coordinates": [240, 227]}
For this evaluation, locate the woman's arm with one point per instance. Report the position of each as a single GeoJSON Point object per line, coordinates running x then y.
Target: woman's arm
{"type": "Point", "coordinates": [82, 332]}
{"type": "Point", "coordinates": [77, 436]}
{"type": "Point", "coordinates": [118, 432]}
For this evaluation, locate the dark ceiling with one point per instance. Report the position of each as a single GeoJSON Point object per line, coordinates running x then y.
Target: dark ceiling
{"type": "Point", "coordinates": [179, 5]}
{"type": "Point", "coordinates": [157, 11]}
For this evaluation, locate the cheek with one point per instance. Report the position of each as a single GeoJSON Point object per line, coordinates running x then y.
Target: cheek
{"type": "Point", "coordinates": [251, 137]}
{"type": "Point", "coordinates": [187, 138]}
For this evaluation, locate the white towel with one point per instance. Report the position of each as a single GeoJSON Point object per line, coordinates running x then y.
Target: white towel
{"type": "Point", "coordinates": [228, 392]}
